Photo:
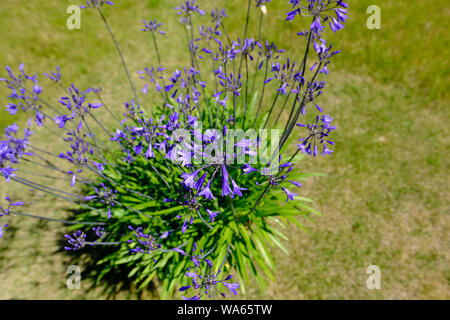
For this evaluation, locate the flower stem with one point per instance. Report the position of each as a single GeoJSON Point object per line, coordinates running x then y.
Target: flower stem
{"type": "Point", "coordinates": [56, 220]}
{"type": "Point", "coordinates": [120, 54]}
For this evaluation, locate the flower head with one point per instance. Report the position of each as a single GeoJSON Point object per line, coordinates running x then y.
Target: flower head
{"type": "Point", "coordinates": [77, 106]}
{"type": "Point", "coordinates": [332, 12]}
{"type": "Point", "coordinates": [76, 242]}
{"type": "Point", "coordinates": [12, 148]}
{"type": "Point", "coordinates": [145, 242]}
{"type": "Point", "coordinates": [24, 98]}
{"type": "Point", "coordinates": [6, 211]}
{"type": "Point", "coordinates": [99, 232]}
{"type": "Point", "coordinates": [104, 195]}
{"type": "Point", "coordinates": [54, 76]}
{"type": "Point", "coordinates": [318, 134]}
{"type": "Point", "coordinates": [208, 283]}
{"type": "Point", "coordinates": [152, 26]}
{"type": "Point", "coordinates": [96, 4]}
{"type": "Point", "coordinates": [188, 7]}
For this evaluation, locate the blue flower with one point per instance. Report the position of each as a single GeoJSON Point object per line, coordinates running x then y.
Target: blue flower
{"type": "Point", "coordinates": [152, 26]}
{"type": "Point", "coordinates": [77, 106]}
{"type": "Point", "coordinates": [12, 149]}
{"type": "Point", "coordinates": [207, 283]}
{"type": "Point", "coordinates": [206, 192]}
{"type": "Point", "coordinates": [77, 241]}
{"type": "Point", "coordinates": [6, 211]}
{"type": "Point", "coordinates": [100, 232]}
{"type": "Point", "coordinates": [232, 287]}
{"type": "Point", "coordinates": [192, 206]}
{"type": "Point", "coordinates": [24, 99]}
{"type": "Point", "coordinates": [321, 11]}
{"type": "Point", "coordinates": [212, 214]}
{"type": "Point", "coordinates": [79, 155]}
{"type": "Point", "coordinates": [104, 195]}
{"type": "Point", "coordinates": [318, 133]}
{"type": "Point", "coordinates": [290, 195]}
{"type": "Point", "coordinates": [96, 4]}
{"type": "Point", "coordinates": [54, 76]}
{"type": "Point", "coordinates": [188, 7]}
{"type": "Point", "coordinates": [146, 243]}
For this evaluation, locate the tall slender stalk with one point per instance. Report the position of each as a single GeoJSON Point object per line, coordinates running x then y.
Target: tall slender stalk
{"type": "Point", "coordinates": [108, 109]}
{"type": "Point", "coordinates": [258, 59]}
{"type": "Point", "coordinates": [246, 30]}
{"type": "Point", "coordinates": [56, 220]}
{"type": "Point", "coordinates": [246, 92]}
{"type": "Point", "coordinates": [120, 54]}
{"type": "Point", "coordinates": [262, 94]}
{"type": "Point", "coordinates": [158, 57]}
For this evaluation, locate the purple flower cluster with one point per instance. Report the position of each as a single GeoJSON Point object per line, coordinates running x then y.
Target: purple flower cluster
{"type": "Point", "coordinates": [12, 148]}
{"type": "Point", "coordinates": [285, 74]}
{"type": "Point", "coordinates": [184, 88]}
{"type": "Point", "coordinates": [188, 7]}
{"type": "Point", "coordinates": [99, 232]}
{"type": "Point", "coordinates": [149, 75]}
{"type": "Point", "coordinates": [216, 160]}
{"type": "Point", "coordinates": [207, 283]}
{"type": "Point", "coordinates": [321, 11]}
{"type": "Point", "coordinates": [105, 196]}
{"type": "Point", "coordinates": [96, 4]}
{"type": "Point", "coordinates": [146, 242]}
{"type": "Point", "coordinates": [54, 76]}
{"type": "Point", "coordinates": [77, 106]}
{"type": "Point", "coordinates": [23, 98]}
{"type": "Point", "coordinates": [79, 155]}
{"type": "Point", "coordinates": [6, 211]}
{"type": "Point", "coordinates": [192, 206]}
{"type": "Point", "coordinates": [152, 26]}
{"type": "Point", "coordinates": [318, 134]}
{"type": "Point", "coordinates": [76, 242]}
{"type": "Point", "coordinates": [217, 15]}
{"type": "Point", "coordinates": [274, 176]}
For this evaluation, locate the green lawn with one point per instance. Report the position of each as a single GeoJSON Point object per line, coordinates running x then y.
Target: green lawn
{"type": "Point", "coordinates": [385, 199]}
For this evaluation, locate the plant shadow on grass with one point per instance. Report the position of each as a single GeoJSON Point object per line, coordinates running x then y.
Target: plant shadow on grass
{"type": "Point", "coordinates": [115, 284]}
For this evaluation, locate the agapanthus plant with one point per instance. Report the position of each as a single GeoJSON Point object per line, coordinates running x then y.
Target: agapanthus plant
{"type": "Point", "coordinates": [195, 188]}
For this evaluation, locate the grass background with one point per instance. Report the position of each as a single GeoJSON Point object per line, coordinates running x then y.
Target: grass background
{"type": "Point", "coordinates": [385, 200]}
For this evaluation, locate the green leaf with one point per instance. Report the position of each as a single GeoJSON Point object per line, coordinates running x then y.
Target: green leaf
{"type": "Point", "coordinates": [279, 244]}
{"type": "Point", "coordinates": [129, 258]}
{"type": "Point", "coordinates": [263, 267]}
{"type": "Point", "coordinates": [252, 104]}
{"type": "Point", "coordinates": [263, 250]}
{"type": "Point", "coordinates": [298, 224]}
{"type": "Point", "coordinates": [262, 120]}
{"type": "Point", "coordinates": [145, 205]}
{"type": "Point", "coordinates": [147, 281]}
{"type": "Point", "coordinates": [308, 208]}
{"type": "Point", "coordinates": [167, 211]}
{"type": "Point", "coordinates": [133, 272]}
